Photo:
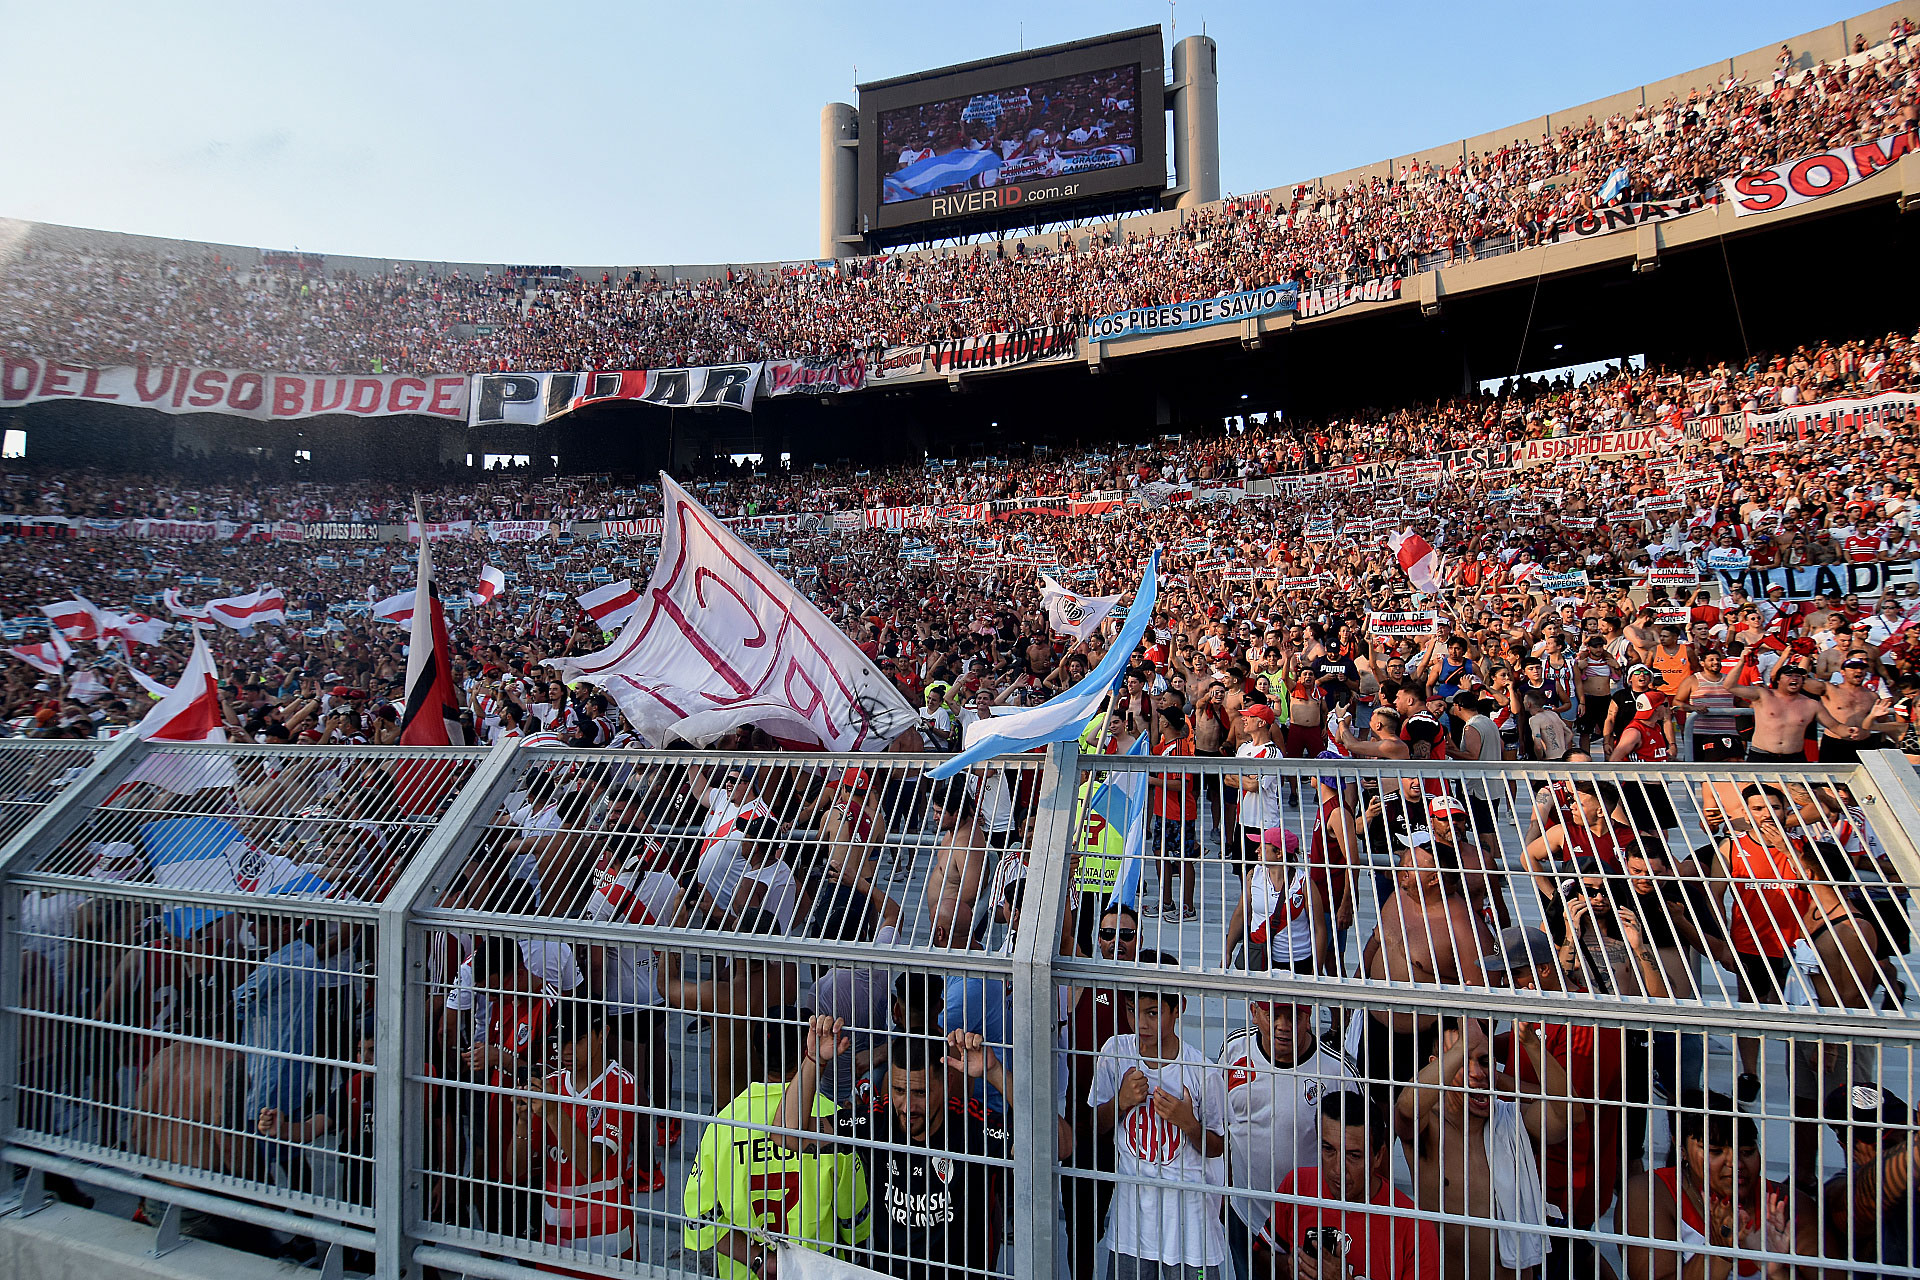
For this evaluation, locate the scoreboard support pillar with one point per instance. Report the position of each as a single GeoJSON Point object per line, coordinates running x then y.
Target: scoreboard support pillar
{"type": "Point", "coordinates": [839, 181]}
{"type": "Point", "coordinates": [1195, 102]}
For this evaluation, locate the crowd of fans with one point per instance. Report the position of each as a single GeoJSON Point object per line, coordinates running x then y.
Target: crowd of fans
{"type": "Point", "coordinates": [564, 1072]}
{"type": "Point", "coordinates": [855, 1100]}
{"type": "Point", "coordinates": [195, 308]}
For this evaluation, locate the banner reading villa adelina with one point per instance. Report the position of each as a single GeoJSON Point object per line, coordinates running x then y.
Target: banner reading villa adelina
{"type": "Point", "coordinates": [263, 397]}
{"type": "Point", "coordinates": [1004, 350]}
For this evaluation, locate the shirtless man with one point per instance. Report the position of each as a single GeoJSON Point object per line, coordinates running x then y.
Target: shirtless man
{"type": "Point", "coordinates": [1782, 710]}
{"type": "Point", "coordinates": [1442, 1118]}
{"type": "Point", "coordinates": [1862, 714]}
{"type": "Point", "coordinates": [953, 882]}
{"type": "Point", "coordinates": [1429, 933]}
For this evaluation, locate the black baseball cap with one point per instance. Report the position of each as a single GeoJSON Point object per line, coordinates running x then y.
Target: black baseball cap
{"type": "Point", "coordinates": [1865, 1113]}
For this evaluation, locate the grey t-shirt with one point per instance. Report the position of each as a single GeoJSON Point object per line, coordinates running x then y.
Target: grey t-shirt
{"type": "Point", "coordinates": [862, 998]}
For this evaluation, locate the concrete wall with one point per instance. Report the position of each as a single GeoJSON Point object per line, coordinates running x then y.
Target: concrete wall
{"type": "Point", "coordinates": [1823, 43]}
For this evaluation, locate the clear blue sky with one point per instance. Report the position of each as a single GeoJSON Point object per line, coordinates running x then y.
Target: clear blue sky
{"type": "Point", "coordinates": [655, 133]}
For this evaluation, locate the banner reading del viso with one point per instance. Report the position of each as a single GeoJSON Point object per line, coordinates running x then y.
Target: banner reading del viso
{"type": "Point", "coordinates": [262, 397]}
{"type": "Point", "coordinates": [1273, 299]}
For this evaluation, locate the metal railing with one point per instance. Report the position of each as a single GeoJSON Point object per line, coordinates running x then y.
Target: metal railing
{"type": "Point", "coordinates": [686, 1013]}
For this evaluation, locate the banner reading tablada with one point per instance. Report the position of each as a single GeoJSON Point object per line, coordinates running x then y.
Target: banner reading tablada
{"type": "Point", "coordinates": [262, 397]}
{"type": "Point", "coordinates": [1324, 302]}
{"type": "Point", "coordinates": [1810, 177]}
{"type": "Point", "coordinates": [529, 399]}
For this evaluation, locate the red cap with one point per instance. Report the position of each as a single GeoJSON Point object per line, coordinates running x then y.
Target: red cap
{"type": "Point", "coordinates": [1259, 711]}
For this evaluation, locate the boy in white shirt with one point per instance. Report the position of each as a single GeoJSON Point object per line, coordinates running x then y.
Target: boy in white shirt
{"type": "Point", "coordinates": [1166, 1107]}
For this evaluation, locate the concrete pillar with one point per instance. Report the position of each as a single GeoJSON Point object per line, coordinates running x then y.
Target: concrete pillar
{"type": "Point", "coordinates": [839, 181]}
{"type": "Point", "coordinates": [1196, 121]}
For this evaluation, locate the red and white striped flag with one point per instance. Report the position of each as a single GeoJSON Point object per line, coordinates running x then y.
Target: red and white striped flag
{"type": "Point", "coordinates": [76, 619]}
{"type": "Point", "coordinates": [190, 711]}
{"type": "Point", "coordinates": [244, 613]}
{"type": "Point", "coordinates": [49, 658]}
{"type": "Point", "coordinates": [136, 627]}
{"type": "Point", "coordinates": [610, 606]}
{"type": "Point", "coordinates": [396, 608]}
{"type": "Point", "coordinates": [1420, 561]}
{"type": "Point", "coordinates": [492, 583]}
{"type": "Point", "coordinates": [181, 609]}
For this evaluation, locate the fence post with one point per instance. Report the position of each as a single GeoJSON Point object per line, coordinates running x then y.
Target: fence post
{"type": "Point", "coordinates": [1036, 1017]}
{"type": "Point", "coordinates": [400, 1026]}
{"type": "Point", "coordinates": [1893, 779]}
{"type": "Point", "coordinates": [60, 819]}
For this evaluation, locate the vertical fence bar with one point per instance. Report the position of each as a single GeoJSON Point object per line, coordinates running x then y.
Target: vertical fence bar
{"type": "Point", "coordinates": [47, 828]}
{"type": "Point", "coordinates": [1898, 786]}
{"type": "Point", "coordinates": [398, 1027]}
{"type": "Point", "coordinates": [1034, 1015]}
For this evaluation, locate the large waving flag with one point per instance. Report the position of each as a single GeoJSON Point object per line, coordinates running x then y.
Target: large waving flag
{"type": "Point", "coordinates": [492, 582]}
{"type": "Point", "coordinates": [936, 173]}
{"type": "Point", "coordinates": [397, 609]}
{"type": "Point", "coordinates": [610, 606]}
{"type": "Point", "coordinates": [432, 715]}
{"type": "Point", "coordinates": [1120, 800]}
{"type": "Point", "coordinates": [718, 640]}
{"type": "Point", "coordinates": [135, 627]}
{"type": "Point", "coordinates": [49, 658]}
{"type": "Point", "coordinates": [1072, 615]}
{"type": "Point", "coordinates": [188, 712]}
{"type": "Point", "coordinates": [1420, 560]}
{"type": "Point", "coordinates": [1060, 718]}
{"type": "Point", "coordinates": [76, 619]}
{"type": "Point", "coordinates": [181, 609]}
{"type": "Point", "coordinates": [244, 613]}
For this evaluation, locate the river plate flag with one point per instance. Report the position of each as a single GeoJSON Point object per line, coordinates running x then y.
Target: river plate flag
{"type": "Point", "coordinates": [718, 640]}
{"type": "Point", "coordinates": [432, 717]}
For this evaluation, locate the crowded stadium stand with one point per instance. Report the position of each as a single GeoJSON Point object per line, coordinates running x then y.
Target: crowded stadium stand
{"type": "Point", "coordinates": [1364, 731]}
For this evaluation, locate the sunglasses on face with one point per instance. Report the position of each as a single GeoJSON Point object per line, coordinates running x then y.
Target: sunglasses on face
{"type": "Point", "coordinates": [1125, 935]}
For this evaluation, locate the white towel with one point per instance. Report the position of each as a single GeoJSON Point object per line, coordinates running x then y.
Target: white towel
{"type": "Point", "coordinates": [1519, 1196]}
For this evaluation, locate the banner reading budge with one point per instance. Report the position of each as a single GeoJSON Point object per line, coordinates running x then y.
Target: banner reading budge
{"type": "Point", "coordinates": [262, 397]}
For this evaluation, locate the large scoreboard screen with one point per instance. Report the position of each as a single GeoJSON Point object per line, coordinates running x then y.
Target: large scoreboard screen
{"type": "Point", "coordinates": [1015, 140]}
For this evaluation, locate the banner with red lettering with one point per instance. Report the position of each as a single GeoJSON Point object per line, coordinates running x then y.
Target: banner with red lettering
{"type": "Point", "coordinates": [529, 399]}
{"type": "Point", "coordinates": [1784, 185]}
{"type": "Point", "coordinates": [263, 397]}
{"type": "Point", "coordinates": [815, 377]}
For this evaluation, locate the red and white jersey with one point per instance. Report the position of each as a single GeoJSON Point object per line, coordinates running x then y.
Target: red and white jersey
{"type": "Point", "coordinates": [1863, 548]}
{"type": "Point", "coordinates": [585, 1210]}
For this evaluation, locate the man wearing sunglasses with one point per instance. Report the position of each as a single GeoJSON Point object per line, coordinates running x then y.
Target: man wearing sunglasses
{"type": "Point", "coordinates": [1099, 1014]}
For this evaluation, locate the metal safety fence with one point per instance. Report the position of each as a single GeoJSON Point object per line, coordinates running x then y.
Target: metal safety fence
{"type": "Point", "coordinates": [742, 1014]}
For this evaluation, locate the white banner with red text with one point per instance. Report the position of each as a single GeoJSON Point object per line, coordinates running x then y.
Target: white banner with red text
{"type": "Point", "coordinates": [1810, 177]}
{"type": "Point", "coordinates": [262, 397]}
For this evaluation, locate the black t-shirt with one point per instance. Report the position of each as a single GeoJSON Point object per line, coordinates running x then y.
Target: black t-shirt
{"type": "Point", "coordinates": [936, 1210]}
{"type": "Point", "coordinates": [1336, 675]}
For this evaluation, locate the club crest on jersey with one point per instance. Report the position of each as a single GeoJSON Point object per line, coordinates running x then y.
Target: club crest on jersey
{"type": "Point", "coordinates": [1151, 1136]}
{"type": "Point", "coordinates": [942, 1168]}
{"type": "Point", "coordinates": [594, 1115]}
